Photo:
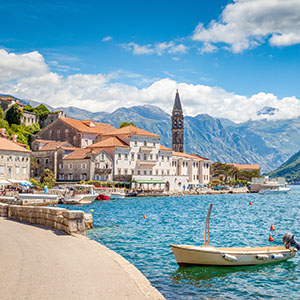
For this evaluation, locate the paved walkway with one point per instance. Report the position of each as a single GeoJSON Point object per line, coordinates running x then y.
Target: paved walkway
{"type": "Point", "coordinates": [39, 263]}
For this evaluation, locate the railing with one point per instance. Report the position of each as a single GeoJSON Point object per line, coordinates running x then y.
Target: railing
{"type": "Point", "coordinates": [102, 171]}
{"type": "Point", "coordinates": [146, 163]}
{"type": "Point", "coordinates": [146, 148]}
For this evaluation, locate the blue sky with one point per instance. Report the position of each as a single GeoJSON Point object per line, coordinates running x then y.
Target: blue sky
{"type": "Point", "coordinates": [226, 57]}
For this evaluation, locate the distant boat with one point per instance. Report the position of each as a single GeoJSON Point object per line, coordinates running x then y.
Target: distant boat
{"type": "Point", "coordinates": [276, 190]}
{"type": "Point", "coordinates": [187, 255]}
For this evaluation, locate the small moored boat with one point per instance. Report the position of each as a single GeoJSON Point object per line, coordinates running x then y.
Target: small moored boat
{"type": "Point", "coordinates": [187, 255]}
{"type": "Point", "coordinates": [80, 194]}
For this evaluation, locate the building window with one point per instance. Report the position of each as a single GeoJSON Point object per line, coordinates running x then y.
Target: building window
{"type": "Point", "coordinates": [132, 155]}
{"type": "Point", "coordinates": [168, 172]}
{"type": "Point", "coordinates": [139, 156]}
{"type": "Point", "coordinates": [24, 170]}
{"type": "Point", "coordinates": [156, 172]}
{"type": "Point", "coordinates": [135, 143]}
{"type": "Point", "coordinates": [46, 161]}
{"type": "Point", "coordinates": [61, 176]}
{"type": "Point", "coordinates": [1, 169]}
{"type": "Point", "coordinates": [150, 172]}
{"type": "Point", "coordinates": [17, 170]}
{"type": "Point", "coordinates": [70, 176]}
{"type": "Point", "coordinates": [145, 156]}
{"type": "Point", "coordinates": [102, 156]}
{"type": "Point", "coordinates": [145, 143]}
{"type": "Point", "coordinates": [154, 144]}
{"type": "Point", "coordinates": [38, 161]}
{"type": "Point", "coordinates": [156, 156]}
{"type": "Point", "coordinates": [60, 166]}
{"type": "Point", "coordinates": [151, 156]}
{"type": "Point", "coordinates": [119, 171]}
{"type": "Point", "coordinates": [70, 166]}
{"type": "Point", "coordinates": [83, 166]}
{"type": "Point", "coordinates": [139, 172]}
{"type": "Point", "coordinates": [168, 158]}
{"type": "Point", "coordinates": [126, 156]}
{"type": "Point", "coordinates": [119, 155]}
{"type": "Point", "coordinates": [125, 171]}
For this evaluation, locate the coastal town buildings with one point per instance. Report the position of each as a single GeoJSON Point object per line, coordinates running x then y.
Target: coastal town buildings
{"type": "Point", "coordinates": [14, 161]}
{"type": "Point", "coordinates": [79, 133]}
{"type": "Point", "coordinates": [86, 150]}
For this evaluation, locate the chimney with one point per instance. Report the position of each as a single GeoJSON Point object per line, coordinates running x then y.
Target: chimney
{"type": "Point", "coordinates": [14, 137]}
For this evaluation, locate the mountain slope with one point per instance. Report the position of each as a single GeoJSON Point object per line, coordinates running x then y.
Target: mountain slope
{"type": "Point", "coordinates": [290, 169]}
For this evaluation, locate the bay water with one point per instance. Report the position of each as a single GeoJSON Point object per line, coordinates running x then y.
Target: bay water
{"type": "Point", "coordinates": [141, 230]}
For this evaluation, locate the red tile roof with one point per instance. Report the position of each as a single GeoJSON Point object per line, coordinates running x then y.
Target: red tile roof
{"type": "Point", "coordinates": [53, 145]}
{"type": "Point", "coordinates": [130, 130]}
{"type": "Point", "coordinates": [244, 166]}
{"type": "Point", "coordinates": [111, 142]}
{"type": "Point", "coordinates": [79, 153]}
{"type": "Point", "coordinates": [88, 126]}
{"type": "Point", "coordinates": [164, 148]}
{"type": "Point", "coordinates": [9, 145]}
{"type": "Point", "coordinates": [193, 156]}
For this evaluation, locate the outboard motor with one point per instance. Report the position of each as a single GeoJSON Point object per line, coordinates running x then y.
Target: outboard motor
{"type": "Point", "coordinates": [289, 241]}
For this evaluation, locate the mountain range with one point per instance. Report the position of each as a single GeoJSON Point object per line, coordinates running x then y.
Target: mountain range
{"type": "Point", "coordinates": [264, 142]}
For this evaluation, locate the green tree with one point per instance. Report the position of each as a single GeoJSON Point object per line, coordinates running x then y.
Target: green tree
{"type": "Point", "coordinates": [42, 112]}
{"type": "Point", "coordinates": [125, 124]}
{"type": "Point", "coordinates": [48, 179]}
{"type": "Point", "coordinates": [14, 115]}
{"type": "Point", "coordinates": [2, 115]}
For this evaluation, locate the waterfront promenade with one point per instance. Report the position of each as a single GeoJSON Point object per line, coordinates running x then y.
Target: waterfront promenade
{"type": "Point", "coordinates": [40, 263]}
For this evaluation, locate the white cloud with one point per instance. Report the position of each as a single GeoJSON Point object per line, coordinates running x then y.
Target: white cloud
{"type": "Point", "coordinates": [107, 39]}
{"type": "Point", "coordinates": [137, 49]}
{"type": "Point", "coordinates": [13, 66]}
{"type": "Point", "coordinates": [102, 92]}
{"type": "Point", "coordinates": [158, 48]}
{"type": "Point", "coordinates": [245, 24]}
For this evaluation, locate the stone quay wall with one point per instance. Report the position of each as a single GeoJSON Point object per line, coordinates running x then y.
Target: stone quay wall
{"type": "Point", "coordinates": [69, 221]}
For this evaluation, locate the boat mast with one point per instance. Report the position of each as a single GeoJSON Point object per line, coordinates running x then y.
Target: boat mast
{"type": "Point", "coordinates": [206, 234]}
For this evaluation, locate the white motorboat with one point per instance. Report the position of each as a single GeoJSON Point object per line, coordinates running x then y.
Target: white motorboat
{"type": "Point", "coordinates": [277, 190]}
{"type": "Point", "coordinates": [186, 255]}
{"type": "Point", "coordinates": [117, 193]}
{"type": "Point", "coordinates": [80, 194]}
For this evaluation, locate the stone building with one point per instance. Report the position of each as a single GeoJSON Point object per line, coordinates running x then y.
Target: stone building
{"type": "Point", "coordinates": [48, 155]}
{"type": "Point", "coordinates": [79, 133]}
{"type": "Point", "coordinates": [86, 164]}
{"type": "Point", "coordinates": [53, 116]}
{"type": "Point", "coordinates": [14, 161]}
{"type": "Point", "coordinates": [28, 118]}
{"type": "Point", "coordinates": [177, 125]}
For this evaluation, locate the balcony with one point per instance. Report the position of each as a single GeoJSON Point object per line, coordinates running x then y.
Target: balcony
{"type": "Point", "coordinates": [101, 171]}
{"type": "Point", "coordinates": [146, 148]}
{"type": "Point", "coordinates": [146, 163]}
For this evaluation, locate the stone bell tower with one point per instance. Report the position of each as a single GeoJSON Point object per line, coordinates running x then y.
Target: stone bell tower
{"type": "Point", "coordinates": [177, 125]}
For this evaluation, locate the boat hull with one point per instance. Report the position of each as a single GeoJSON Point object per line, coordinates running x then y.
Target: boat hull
{"type": "Point", "coordinates": [103, 197]}
{"type": "Point", "coordinates": [80, 199]}
{"type": "Point", "coordinates": [186, 255]}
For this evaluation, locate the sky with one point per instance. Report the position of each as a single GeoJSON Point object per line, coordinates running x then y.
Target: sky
{"type": "Point", "coordinates": [235, 59]}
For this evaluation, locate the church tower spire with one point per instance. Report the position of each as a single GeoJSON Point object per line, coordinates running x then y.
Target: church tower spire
{"type": "Point", "coordinates": [177, 125]}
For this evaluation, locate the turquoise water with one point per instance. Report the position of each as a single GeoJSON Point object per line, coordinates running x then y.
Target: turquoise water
{"type": "Point", "coordinates": [145, 241]}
